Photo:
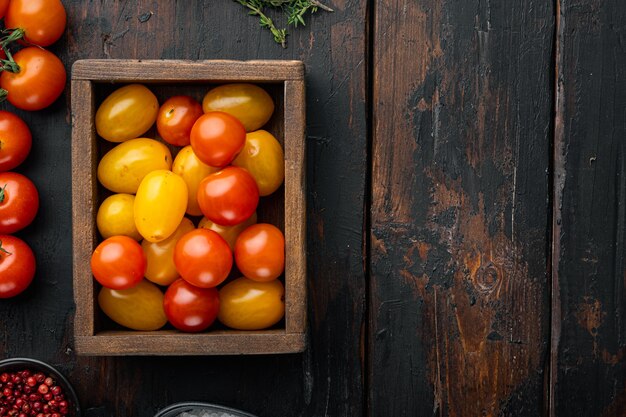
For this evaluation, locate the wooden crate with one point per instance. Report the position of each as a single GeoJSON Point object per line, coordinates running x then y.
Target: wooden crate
{"type": "Point", "coordinates": [92, 81]}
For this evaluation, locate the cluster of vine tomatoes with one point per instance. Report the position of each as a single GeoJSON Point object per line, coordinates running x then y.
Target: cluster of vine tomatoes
{"type": "Point", "coordinates": [151, 242]}
{"type": "Point", "coordinates": [19, 203]}
{"type": "Point", "coordinates": [32, 78]}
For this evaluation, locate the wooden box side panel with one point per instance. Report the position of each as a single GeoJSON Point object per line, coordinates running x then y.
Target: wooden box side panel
{"type": "Point", "coordinates": [83, 192]}
{"type": "Point", "coordinates": [295, 207]}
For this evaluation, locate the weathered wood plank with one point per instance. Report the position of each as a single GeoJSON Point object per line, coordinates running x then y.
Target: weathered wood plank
{"type": "Point", "coordinates": [589, 305]}
{"type": "Point", "coordinates": [461, 149]}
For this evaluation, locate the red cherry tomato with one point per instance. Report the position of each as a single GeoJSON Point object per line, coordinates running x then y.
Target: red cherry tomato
{"type": "Point", "coordinates": [189, 308]}
{"type": "Point", "coordinates": [15, 141]}
{"type": "Point", "coordinates": [217, 138]}
{"type": "Point", "coordinates": [203, 258]}
{"type": "Point", "coordinates": [176, 118]}
{"type": "Point", "coordinates": [228, 197]}
{"type": "Point", "coordinates": [118, 263]}
{"type": "Point", "coordinates": [43, 21]}
{"type": "Point", "coordinates": [260, 252]}
{"type": "Point", "coordinates": [4, 5]}
{"type": "Point", "coordinates": [19, 202]}
{"type": "Point", "coordinates": [39, 82]}
{"type": "Point", "coordinates": [17, 266]}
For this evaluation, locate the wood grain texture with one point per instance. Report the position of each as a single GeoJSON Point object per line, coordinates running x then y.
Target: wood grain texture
{"type": "Point", "coordinates": [285, 208]}
{"type": "Point", "coordinates": [462, 98]}
{"type": "Point", "coordinates": [325, 380]}
{"type": "Point", "coordinates": [589, 348]}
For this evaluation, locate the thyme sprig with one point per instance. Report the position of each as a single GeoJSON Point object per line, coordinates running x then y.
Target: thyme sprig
{"type": "Point", "coordinates": [295, 10]}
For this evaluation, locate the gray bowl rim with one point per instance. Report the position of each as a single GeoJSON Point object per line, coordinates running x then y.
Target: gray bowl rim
{"type": "Point", "coordinates": [180, 407]}
{"type": "Point", "coordinates": [26, 362]}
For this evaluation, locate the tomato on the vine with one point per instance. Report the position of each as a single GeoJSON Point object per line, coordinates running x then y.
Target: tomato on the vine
{"type": "Point", "coordinates": [17, 266]}
{"type": "Point", "coordinates": [189, 308]}
{"type": "Point", "coordinates": [229, 196]}
{"type": "Point", "coordinates": [176, 118]}
{"type": "Point", "coordinates": [43, 21]}
{"type": "Point", "coordinates": [118, 263]}
{"type": "Point", "coordinates": [39, 81]}
{"type": "Point", "coordinates": [15, 141]}
{"type": "Point", "coordinates": [19, 202]}
{"type": "Point", "coordinates": [217, 138]}
{"type": "Point", "coordinates": [203, 258]}
{"type": "Point", "coordinates": [260, 252]}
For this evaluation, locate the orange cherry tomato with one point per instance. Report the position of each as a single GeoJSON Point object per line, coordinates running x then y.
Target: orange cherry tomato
{"type": "Point", "coordinates": [118, 263]}
{"type": "Point", "coordinates": [189, 308]}
{"type": "Point", "coordinates": [249, 103]}
{"type": "Point", "coordinates": [192, 170]}
{"type": "Point", "coordinates": [176, 118]}
{"type": "Point", "coordinates": [203, 258]}
{"type": "Point", "coordinates": [43, 21]}
{"type": "Point", "coordinates": [260, 252]}
{"type": "Point", "coordinates": [39, 81]}
{"type": "Point", "coordinates": [217, 138]}
{"type": "Point", "coordinates": [228, 197]}
{"type": "Point", "coordinates": [15, 141]}
{"type": "Point", "coordinates": [251, 305]}
{"type": "Point", "coordinates": [4, 5]}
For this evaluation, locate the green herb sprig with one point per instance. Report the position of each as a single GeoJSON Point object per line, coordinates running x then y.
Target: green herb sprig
{"type": "Point", "coordinates": [295, 10]}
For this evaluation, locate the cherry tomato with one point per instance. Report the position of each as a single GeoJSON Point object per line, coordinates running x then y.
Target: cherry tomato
{"type": "Point", "coordinates": [123, 168]}
{"type": "Point", "coordinates": [217, 138]}
{"type": "Point", "coordinates": [116, 217]}
{"type": "Point", "coordinates": [19, 202]}
{"type": "Point", "coordinates": [138, 308]}
{"type": "Point", "coordinates": [43, 21]}
{"type": "Point", "coordinates": [228, 233]}
{"type": "Point", "coordinates": [264, 159]}
{"type": "Point", "coordinates": [4, 5]}
{"type": "Point", "coordinates": [17, 266]}
{"type": "Point", "coordinates": [247, 102]}
{"type": "Point", "coordinates": [189, 308]}
{"type": "Point", "coordinates": [160, 205]}
{"type": "Point", "coordinates": [192, 170]}
{"type": "Point", "coordinates": [15, 141]}
{"type": "Point", "coordinates": [176, 118]}
{"type": "Point", "coordinates": [38, 83]}
{"type": "Point", "coordinates": [260, 252]}
{"type": "Point", "coordinates": [118, 263]}
{"type": "Point", "coordinates": [127, 113]}
{"type": "Point", "coordinates": [251, 305]}
{"type": "Point", "coordinates": [228, 197]}
{"type": "Point", "coordinates": [203, 258]}
{"type": "Point", "coordinates": [160, 255]}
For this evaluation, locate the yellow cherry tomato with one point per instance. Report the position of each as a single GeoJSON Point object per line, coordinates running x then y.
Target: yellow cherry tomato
{"type": "Point", "coordinates": [160, 205]}
{"type": "Point", "coordinates": [192, 171]}
{"type": "Point", "coordinates": [115, 217]}
{"type": "Point", "coordinates": [138, 308]}
{"type": "Point", "coordinates": [247, 102]}
{"type": "Point", "coordinates": [263, 157]}
{"type": "Point", "coordinates": [160, 255]}
{"type": "Point", "coordinates": [127, 113]}
{"type": "Point", "coordinates": [228, 233]}
{"type": "Point", "coordinates": [123, 167]}
{"type": "Point", "coordinates": [251, 305]}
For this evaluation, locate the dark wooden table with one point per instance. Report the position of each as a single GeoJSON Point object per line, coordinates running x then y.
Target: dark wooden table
{"type": "Point", "coordinates": [467, 211]}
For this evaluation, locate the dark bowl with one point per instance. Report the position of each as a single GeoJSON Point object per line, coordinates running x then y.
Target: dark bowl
{"type": "Point", "coordinates": [21, 364]}
{"type": "Point", "coordinates": [176, 409]}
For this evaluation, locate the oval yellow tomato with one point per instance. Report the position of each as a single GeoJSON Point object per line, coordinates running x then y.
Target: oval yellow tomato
{"type": "Point", "coordinates": [249, 103]}
{"type": "Point", "coordinates": [127, 113]}
{"type": "Point", "coordinates": [160, 205]}
{"type": "Point", "coordinates": [138, 308]}
{"type": "Point", "coordinates": [228, 233]}
{"type": "Point", "coordinates": [160, 255]}
{"type": "Point", "coordinates": [264, 159]}
{"type": "Point", "coordinates": [192, 171]}
{"type": "Point", "coordinates": [116, 217]}
{"type": "Point", "coordinates": [251, 305]}
{"type": "Point", "coordinates": [123, 167]}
